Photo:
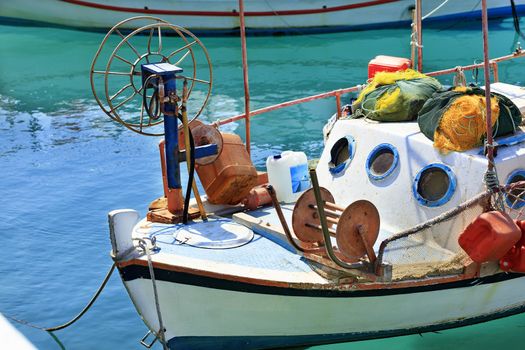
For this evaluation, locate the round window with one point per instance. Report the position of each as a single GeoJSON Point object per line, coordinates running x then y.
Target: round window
{"type": "Point", "coordinates": [382, 161]}
{"type": "Point", "coordinates": [341, 154]}
{"type": "Point", "coordinates": [434, 185]}
{"type": "Point", "coordinates": [516, 197]}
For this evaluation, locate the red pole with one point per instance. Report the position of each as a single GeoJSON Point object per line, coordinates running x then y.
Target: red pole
{"type": "Point", "coordinates": [419, 25]}
{"type": "Point", "coordinates": [485, 24]}
{"type": "Point", "coordinates": [245, 74]}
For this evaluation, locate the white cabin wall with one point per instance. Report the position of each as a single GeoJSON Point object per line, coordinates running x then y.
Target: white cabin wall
{"type": "Point", "coordinates": [393, 196]}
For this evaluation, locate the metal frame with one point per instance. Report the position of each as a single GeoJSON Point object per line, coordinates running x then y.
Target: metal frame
{"type": "Point", "coordinates": [157, 26]}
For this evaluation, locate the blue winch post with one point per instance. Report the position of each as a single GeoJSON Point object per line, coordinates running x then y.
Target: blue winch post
{"type": "Point", "coordinates": [166, 74]}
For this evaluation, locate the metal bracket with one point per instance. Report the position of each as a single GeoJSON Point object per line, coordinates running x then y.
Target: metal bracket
{"type": "Point", "coordinates": [144, 338]}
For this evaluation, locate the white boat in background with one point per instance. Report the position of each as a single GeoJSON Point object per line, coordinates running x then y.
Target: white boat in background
{"type": "Point", "coordinates": [11, 338]}
{"type": "Point", "coordinates": [262, 16]}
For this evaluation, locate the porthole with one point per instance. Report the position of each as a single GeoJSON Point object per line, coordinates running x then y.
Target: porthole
{"type": "Point", "coordinates": [341, 154]}
{"type": "Point", "coordinates": [382, 161]}
{"type": "Point", "coordinates": [516, 198]}
{"type": "Point", "coordinates": [434, 185]}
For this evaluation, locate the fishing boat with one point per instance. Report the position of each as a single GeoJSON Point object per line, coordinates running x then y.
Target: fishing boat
{"type": "Point", "coordinates": [262, 17]}
{"type": "Point", "coordinates": [386, 234]}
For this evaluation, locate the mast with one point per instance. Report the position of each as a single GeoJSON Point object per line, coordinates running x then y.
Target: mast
{"type": "Point", "coordinates": [486, 63]}
{"type": "Point", "coordinates": [419, 36]}
{"type": "Point", "coordinates": [245, 74]}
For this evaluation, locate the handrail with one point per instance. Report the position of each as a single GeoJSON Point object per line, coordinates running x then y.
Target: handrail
{"type": "Point", "coordinates": [335, 93]}
{"type": "Point", "coordinates": [339, 92]}
{"type": "Point", "coordinates": [494, 62]}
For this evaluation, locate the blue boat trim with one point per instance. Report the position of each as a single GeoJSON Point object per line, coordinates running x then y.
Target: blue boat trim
{"type": "Point", "coordinates": [452, 184]}
{"type": "Point", "coordinates": [371, 158]}
{"type": "Point", "coordinates": [494, 14]}
{"type": "Point", "coordinates": [340, 168]}
{"type": "Point", "coordinates": [132, 272]}
{"type": "Point", "coordinates": [266, 342]}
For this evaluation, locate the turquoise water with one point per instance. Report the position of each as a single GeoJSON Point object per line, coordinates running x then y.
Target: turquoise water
{"type": "Point", "coordinates": [64, 164]}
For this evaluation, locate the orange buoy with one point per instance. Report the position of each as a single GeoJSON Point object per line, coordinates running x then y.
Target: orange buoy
{"type": "Point", "coordinates": [490, 236]}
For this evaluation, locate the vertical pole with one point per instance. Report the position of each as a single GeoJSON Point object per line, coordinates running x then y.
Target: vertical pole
{"type": "Point", "coordinates": [495, 73]}
{"type": "Point", "coordinates": [485, 24]}
{"type": "Point", "coordinates": [338, 104]}
{"type": "Point", "coordinates": [163, 167]}
{"type": "Point", "coordinates": [245, 74]}
{"type": "Point", "coordinates": [174, 195]}
{"type": "Point", "coordinates": [419, 36]}
{"type": "Point", "coordinates": [413, 39]}
{"type": "Point", "coordinates": [171, 143]}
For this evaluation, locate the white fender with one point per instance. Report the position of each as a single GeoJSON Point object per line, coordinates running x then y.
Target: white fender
{"type": "Point", "coordinates": [121, 223]}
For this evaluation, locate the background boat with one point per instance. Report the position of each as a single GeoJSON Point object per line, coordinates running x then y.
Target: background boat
{"type": "Point", "coordinates": [262, 16]}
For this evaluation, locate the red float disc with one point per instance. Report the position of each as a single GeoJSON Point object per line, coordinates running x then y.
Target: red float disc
{"type": "Point", "coordinates": [304, 213]}
{"type": "Point", "coordinates": [360, 213]}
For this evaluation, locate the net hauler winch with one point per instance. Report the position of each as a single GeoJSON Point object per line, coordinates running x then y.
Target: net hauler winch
{"type": "Point", "coordinates": [128, 78]}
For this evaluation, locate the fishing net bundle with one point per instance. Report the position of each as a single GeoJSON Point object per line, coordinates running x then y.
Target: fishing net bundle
{"type": "Point", "coordinates": [395, 96]}
{"type": "Point", "coordinates": [431, 249]}
{"type": "Point", "coordinates": [456, 119]}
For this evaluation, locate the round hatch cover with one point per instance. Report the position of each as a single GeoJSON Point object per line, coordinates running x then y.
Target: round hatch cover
{"type": "Point", "coordinates": [214, 234]}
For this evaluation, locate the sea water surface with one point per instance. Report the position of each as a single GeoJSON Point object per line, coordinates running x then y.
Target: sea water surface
{"type": "Point", "coordinates": [64, 164]}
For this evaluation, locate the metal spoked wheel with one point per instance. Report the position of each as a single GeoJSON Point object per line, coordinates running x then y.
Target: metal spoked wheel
{"type": "Point", "coordinates": [116, 78]}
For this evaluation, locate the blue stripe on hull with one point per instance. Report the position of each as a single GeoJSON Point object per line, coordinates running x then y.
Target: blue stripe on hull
{"type": "Point", "coordinates": [465, 16]}
{"type": "Point", "coordinates": [273, 342]}
{"type": "Point", "coordinates": [132, 272]}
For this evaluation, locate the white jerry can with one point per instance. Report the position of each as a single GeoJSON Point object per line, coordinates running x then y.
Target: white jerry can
{"type": "Point", "coordinates": [288, 174]}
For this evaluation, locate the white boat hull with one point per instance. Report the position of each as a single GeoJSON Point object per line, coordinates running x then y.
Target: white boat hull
{"type": "Point", "coordinates": [205, 313]}
{"type": "Point", "coordinates": [268, 16]}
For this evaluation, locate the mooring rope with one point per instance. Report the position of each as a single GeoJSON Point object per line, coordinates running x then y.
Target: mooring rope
{"type": "Point", "coordinates": [77, 317]}
{"type": "Point", "coordinates": [434, 10]}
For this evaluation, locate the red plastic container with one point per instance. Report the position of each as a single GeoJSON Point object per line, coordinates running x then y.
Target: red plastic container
{"type": "Point", "coordinates": [387, 64]}
{"type": "Point", "coordinates": [490, 236]}
{"type": "Point", "coordinates": [514, 260]}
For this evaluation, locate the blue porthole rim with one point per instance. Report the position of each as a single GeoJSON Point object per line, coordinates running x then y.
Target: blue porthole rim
{"type": "Point", "coordinates": [336, 169]}
{"type": "Point", "coordinates": [511, 204]}
{"type": "Point", "coordinates": [375, 151]}
{"type": "Point", "coordinates": [452, 184]}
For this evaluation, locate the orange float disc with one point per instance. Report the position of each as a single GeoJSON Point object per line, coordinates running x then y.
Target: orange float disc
{"type": "Point", "coordinates": [304, 213]}
{"type": "Point", "coordinates": [360, 213]}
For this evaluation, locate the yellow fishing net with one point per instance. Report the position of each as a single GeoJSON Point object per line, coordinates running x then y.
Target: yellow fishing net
{"type": "Point", "coordinates": [463, 125]}
{"type": "Point", "coordinates": [387, 78]}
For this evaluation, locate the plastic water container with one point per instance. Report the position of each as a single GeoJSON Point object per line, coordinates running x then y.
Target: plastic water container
{"type": "Point", "coordinates": [288, 174]}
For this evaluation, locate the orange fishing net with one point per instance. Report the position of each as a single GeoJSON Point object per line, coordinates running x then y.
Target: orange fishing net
{"type": "Point", "coordinates": [463, 125]}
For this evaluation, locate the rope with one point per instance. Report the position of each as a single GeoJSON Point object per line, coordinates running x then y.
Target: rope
{"type": "Point", "coordinates": [459, 78]}
{"type": "Point", "coordinates": [160, 333]}
{"type": "Point", "coordinates": [516, 20]}
{"type": "Point", "coordinates": [434, 10]}
{"type": "Point", "coordinates": [491, 181]}
{"type": "Point", "coordinates": [78, 316]}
